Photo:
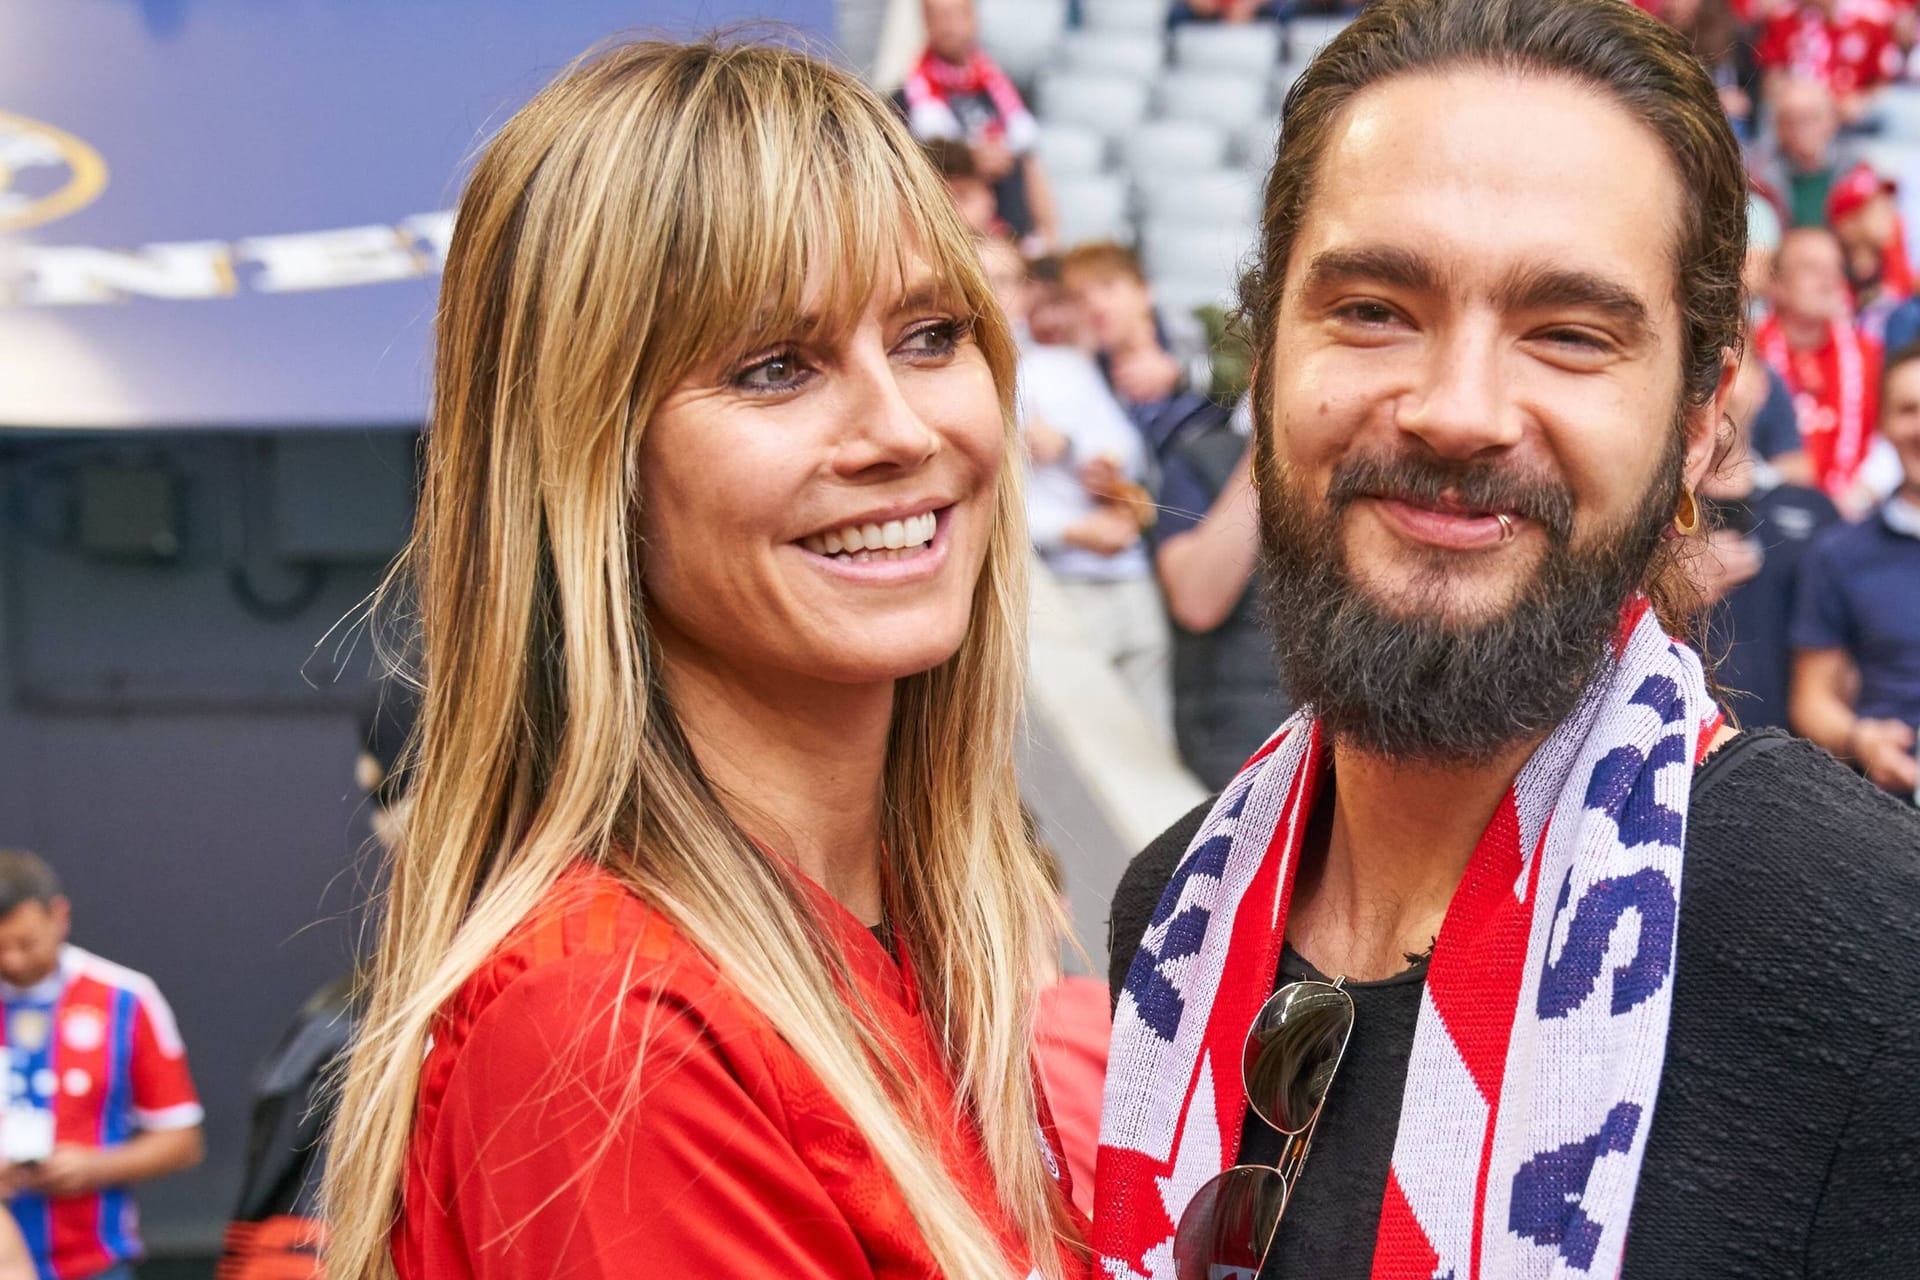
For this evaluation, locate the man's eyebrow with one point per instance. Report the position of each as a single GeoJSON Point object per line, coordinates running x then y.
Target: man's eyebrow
{"type": "Point", "coordinates": [1374, 264]}
{"type": "Point", "coordinates": [1535, 287]}
{"type": "Point", "coordinates": [1542, 287]}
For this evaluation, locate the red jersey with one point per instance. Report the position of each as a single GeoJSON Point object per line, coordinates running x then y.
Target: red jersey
{"type": "Point", "coordinates": [1836, 398]}
{"type": "Point", "coordinates": [96, 1046]}
{"type": "Point", "coordinates": [1850, 52]}
{"type": "Point", "coordinates": [598, 1101]}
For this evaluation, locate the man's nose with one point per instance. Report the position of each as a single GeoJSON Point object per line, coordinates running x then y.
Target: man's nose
{"type": "Point", "coordinates": [1460, 408]}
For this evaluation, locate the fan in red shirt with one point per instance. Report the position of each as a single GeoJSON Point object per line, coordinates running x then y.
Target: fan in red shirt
{"type": "Point", "coordinates": [1862, 213]}
{"type": "Point", "coordinates": [1846, 44]}
{"type": "Point", "coordinates": [708, 945]}
{"type": "Point", "coordinates": [1831, 368]}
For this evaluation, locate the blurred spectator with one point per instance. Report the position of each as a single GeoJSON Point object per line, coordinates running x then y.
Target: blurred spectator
{"type": "Point", "coordinates": [98, 1094]}
{"type": "Point", "coordinates": [956, 91]}
{"type": "Point", "coordinates": [276, 1232]}
{"type": "Point", "coordinates": [1162, 366]}
{"type": "Point", "coordinates": [1184, 11]}
{"type": "Point", "coordinates": [1862, 213]}
{"type": "Point", "coordinates": [1054, 316]}
{"type": "Point", "coordinates": [1798, 164]}
{"type": "Point", "coordinates": [1846, 45]}
{"type": "Point", "coordinates": [1773, 436]}
{"type": "Point", "coordinates": [1831, 368]}
{"type": "Point", "coordinates": [972, 194]}
{"type": "Point", "coordinates": [1763, 241]}
{"type": "Point", "coordinates": [1856, 632]}
{"type": "Point", "coordinates": [1714, 30]}
{"type": "Point", "coordinates": [16, 1261]}
{"type": "Point", "coordinates": [1085, 502]}
{"type": "Point", "coordinates": [1158, 363]}
{"type": "Point", "coordinates": [1226, 695]}
{"type": "Point", "coordinates": [1749, 570]}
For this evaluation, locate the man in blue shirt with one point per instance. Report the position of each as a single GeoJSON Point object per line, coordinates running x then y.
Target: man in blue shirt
{"type": "Point", "coordinates": [1857, 626]}
{"type": "Point", "coordinates": [1762, 529]}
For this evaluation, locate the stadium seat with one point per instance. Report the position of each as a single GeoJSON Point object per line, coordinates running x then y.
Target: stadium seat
{"type": "Point", "coordinates": [1892, 157]}
{"type": "Point", "coordinates": [1092, 207]}
{"type": "Point", "coordinates": [1022, 34]}
{"type": "Point", "coordinates": [1214, 198]}
{"type": "Point", "coordinates": [1250, 50]}
{"type": "Point", "coordinates": [1254, 144]}
{"type": "Point", "coordinates": [1127, 53]}
{"type": "Point", "coordinates": [1228, 101]}
{"type": "Point", "coordinates": [1127, 15]}
{"type": "Point", "coordinates": [1173, 146]}
{"type": "Point", "coordinates": [1283, 77]}
{"type": "Point", "coordinates": [1898, 106]}
{"type": "Point", "coordinates": [1068, 151]}
{"type": "Point", "coordinates": [1201, 258]}
{"type": "Point", "coordinates": [1178, 292]}
{"type": "Point", "coordinates": [1106, 103]}
{"type": "Point", "coordinates": [1305, 35]}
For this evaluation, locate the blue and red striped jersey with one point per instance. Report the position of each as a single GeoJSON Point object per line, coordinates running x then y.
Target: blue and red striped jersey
{"type": "Point", "coordinates": [96, 1046]}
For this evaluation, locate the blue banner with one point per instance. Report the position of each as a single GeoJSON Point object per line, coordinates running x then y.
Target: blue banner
{"type": "Point", "coordinates": [231, 213]}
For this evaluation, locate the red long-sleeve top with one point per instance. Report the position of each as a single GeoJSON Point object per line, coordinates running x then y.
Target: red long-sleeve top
{"type": "Point", "coordinates": [598, 1101]}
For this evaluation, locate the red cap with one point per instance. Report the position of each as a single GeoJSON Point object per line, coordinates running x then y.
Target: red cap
{"type": "Point", "coordinates": [1859, 185]}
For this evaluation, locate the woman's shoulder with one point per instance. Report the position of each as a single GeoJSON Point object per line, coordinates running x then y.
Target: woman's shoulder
{"type": "Point", "coordinates": [592, 963]}
{"type": "Point", "coordinates": [589, 926]}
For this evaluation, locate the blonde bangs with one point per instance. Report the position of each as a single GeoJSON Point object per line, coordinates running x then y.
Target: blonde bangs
{"type": "Point", "coordinates": [805, 201]}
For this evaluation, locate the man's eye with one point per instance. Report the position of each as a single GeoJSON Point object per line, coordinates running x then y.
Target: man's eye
{"type": "Point", "coordinates": [1368, 313]}
{"type": "Point", "coordinates": [1579, 339]}
{"type": "Point", "coordinates": [780, 372]}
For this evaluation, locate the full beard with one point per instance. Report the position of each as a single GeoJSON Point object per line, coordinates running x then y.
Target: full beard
{"type": "Point", "coordinates": [1408, 683]}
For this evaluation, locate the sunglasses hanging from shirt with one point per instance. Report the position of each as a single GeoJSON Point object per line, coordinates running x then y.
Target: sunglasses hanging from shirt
{"type": "Point", "coordinates": [1293, 1049]}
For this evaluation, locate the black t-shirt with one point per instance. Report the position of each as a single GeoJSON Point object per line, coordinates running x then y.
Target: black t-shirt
{"type": "Point", "coordinates": [1786, 1133]}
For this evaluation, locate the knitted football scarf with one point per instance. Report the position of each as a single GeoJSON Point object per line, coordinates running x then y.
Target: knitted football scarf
{"type": "Point", "coordinates": [1543, 1023]}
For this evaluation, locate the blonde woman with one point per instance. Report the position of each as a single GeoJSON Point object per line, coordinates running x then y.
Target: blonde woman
{"type": "Point", "coordinates": [707, 952]}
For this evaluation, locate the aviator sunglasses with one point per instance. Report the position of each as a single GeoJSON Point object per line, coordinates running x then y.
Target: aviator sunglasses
{"type": "Point", "coordinates": [1293, 1048]}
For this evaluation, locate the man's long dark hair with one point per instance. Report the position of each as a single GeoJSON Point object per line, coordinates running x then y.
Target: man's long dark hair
{"type": "Point", "coordinates": [1622, 52]}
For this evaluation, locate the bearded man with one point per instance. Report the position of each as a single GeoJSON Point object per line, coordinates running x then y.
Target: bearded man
{"type": "Point", "coordinates": [1556, 972]}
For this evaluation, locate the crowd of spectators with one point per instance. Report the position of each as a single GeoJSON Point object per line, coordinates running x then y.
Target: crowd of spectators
{"type": "Point", "coordinates": [1137, 422]}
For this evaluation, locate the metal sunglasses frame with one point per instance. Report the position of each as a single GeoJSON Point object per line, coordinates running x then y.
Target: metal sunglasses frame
{"type": "Point", "coordinates": [1293, 1155]}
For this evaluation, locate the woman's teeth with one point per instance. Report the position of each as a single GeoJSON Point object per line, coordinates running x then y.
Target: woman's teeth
{"type": "Point", "coordinates": [859, 543]}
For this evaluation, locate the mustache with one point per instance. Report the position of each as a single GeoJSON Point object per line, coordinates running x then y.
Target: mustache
{"type": "Point", "coordinates": [1424, 480]}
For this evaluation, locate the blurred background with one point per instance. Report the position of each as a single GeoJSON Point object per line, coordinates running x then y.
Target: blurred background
{"type": "Point", "coordinates": [221, 226]}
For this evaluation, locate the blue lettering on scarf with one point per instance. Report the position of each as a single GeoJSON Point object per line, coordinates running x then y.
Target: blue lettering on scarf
{"type": "Point", "coordinates": [1157, 1000]}
{"type": "Point", "coordinates": [1565, 985]}
{"type": "Point", "coordinates": [1545, 1206]}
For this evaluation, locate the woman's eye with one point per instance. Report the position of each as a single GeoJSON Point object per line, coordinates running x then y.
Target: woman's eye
{"type": "Point", "coordinates": [781, 372]}
{"type": "Point", "coordinates": [939, 339]}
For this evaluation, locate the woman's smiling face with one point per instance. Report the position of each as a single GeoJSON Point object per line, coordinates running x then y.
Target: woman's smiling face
{"type": "Point", "coordinates": [822, 508]}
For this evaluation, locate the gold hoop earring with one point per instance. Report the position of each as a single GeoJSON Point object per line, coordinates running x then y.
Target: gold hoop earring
{"type": "Point", "coordinates": [1686, 521]}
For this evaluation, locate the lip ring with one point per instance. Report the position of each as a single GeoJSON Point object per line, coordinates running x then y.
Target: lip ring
{"type": "Point", "coordinates": [1507, 530]}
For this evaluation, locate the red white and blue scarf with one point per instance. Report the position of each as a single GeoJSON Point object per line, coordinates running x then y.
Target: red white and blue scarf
{"type": "Point", "coordinates": [1542, 1027]}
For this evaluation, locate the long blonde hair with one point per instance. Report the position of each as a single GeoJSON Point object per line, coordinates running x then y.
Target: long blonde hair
{"type": "Point", "coordinates": [657, 207]}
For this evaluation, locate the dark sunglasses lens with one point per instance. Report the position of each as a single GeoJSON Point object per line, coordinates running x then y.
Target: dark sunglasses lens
{"type": "Point", "coordinates": [1228, 1225]}
{"type": "Point", "coordinates": [1292, 1050]}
